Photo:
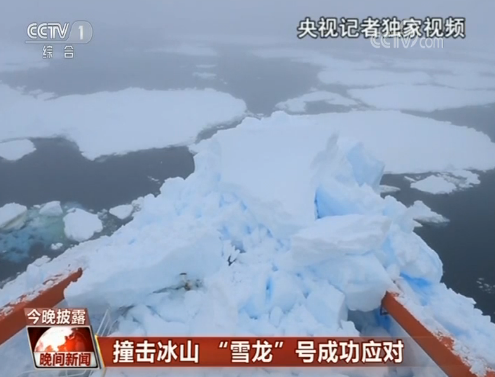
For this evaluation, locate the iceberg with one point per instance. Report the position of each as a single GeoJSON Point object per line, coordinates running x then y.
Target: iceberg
{"type": "Point", "coordinates": [280, 230]}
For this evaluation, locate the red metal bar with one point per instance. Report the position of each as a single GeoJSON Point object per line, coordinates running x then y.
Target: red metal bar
{"type": "Point", "coordinates": [12, 318]}
{"type": "Point", "coordinates": [439, 347]}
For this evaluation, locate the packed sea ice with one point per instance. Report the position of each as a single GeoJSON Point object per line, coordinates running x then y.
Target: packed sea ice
{"type": "Point", "coordinates": [279, 231]}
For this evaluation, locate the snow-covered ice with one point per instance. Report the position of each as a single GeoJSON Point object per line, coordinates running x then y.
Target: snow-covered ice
{"type": "Point", "coordinates": [421, 97]}
{"type": "Point", "coordinates": [12, 216]}
{"type": "Point", "coordinates": [107, 123]}
{"type": "Point", "coordinates": [434, 184]}
{"type": "Point", "coordinates": [80, 225]}
{"type": "Point", "coordinates": [51, 209]}
{"type": "Point", "coordinates": [372, 77]}
{"type": "Point", "coordinates": [298, 104]}
{"type": "Point", "coordinates": [122, 212]}
{"type": "Point", "coordinates": [16, 149]}
{"type": "Point", "coordinates": [422, 213]}
{"type": "Point", "coordinates": [205, 75]}
{"type": "Point", "coordinates": [279, 231]}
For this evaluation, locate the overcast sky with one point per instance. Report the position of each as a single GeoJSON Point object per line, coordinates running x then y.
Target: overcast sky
{"type": "Point", "coordinates": [155, 19]}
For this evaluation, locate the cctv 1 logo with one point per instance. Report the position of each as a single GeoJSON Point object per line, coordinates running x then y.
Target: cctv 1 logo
{"type": "Point", "coordinates": [53, 32]}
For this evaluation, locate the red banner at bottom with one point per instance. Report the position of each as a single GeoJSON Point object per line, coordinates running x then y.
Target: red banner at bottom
{"type": "Point", "coordinates": [249, 352]}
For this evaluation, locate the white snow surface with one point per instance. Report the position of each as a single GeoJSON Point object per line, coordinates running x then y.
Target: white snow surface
{"type": "Point", "coordinates": [280, 231]}
{"type": "Point", "coordinates": [298, 104]}
{"type": "Point", "coordinates": [421, 212]}
{"type": "Point", "coordinates": [51, 209]}
{"type": "Point", "coordinates": [12, 216]}
{"type": "Point", "coordinates": [108, 123]}
{"type": "Point", "coordinates": [372, 77]}
{"type": "Point", "coordinates": [122, 212]}
{"type": "Point", "coordinates": [16, 149]}
{"type": "Point", "coordinates": [421, 97]}
{"type": "Point", "coordinates": [434, 184]}
{"type": "Point", "coordinates": [80, 225]}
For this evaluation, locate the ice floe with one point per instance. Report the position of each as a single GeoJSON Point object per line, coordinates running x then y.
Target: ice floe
{"type": "Point", "coordinates": [122, 212]}
{"type": "Point", "coordinates": [421, 97]}
{"type": "Point", "coordinates": [386, 189]}
{"type": "Point", "coordinates": [434, 184]}
{"type": "Point", "coordinates": [187, 49]}
{"type": "Point", "coordinates": [80, 225]}
{"type": "Point", "coordinates": [422, 213]}
{"type": "Point", "coordinates": [315, 58]}
{"type": "Point", "coordinates": [56, 246]}
{"type": "Point", "coordinates": [298, 104]}
{"type": "Point", "coordinates": [16, 149]}
{"type": "Point", "coordinates": [51, 209]}
{"type": "Point", "coordinates": [206, 66]}
{"type": "Point", "coordinates": [466, 81]}
{"type": "Point", "coordinates": [12, 216]}
{"type": "Point", "coordinates": [205, 75]}
{"type": "Point", "coordinates": [108, 123]}
{"type": "Point", "coordinates": [405, 143]}
{"type": "Point", "coordinates": [446, 182]}
{"type": "Point", "coordinates": [19, 57]}
{"type": "Point", "coordinates": [372, 77]}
